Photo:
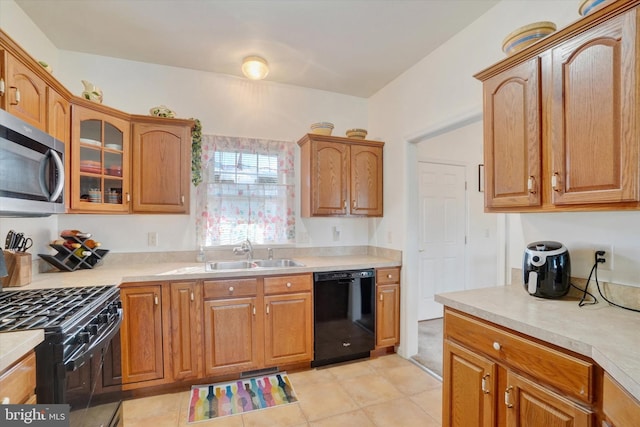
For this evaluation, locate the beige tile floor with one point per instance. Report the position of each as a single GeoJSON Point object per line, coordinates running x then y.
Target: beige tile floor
{"type": "Point", "coordinates": [387, 391]}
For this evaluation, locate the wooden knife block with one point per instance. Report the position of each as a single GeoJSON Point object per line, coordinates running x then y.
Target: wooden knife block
{"type": "Point", "coordinates": [19, 268]}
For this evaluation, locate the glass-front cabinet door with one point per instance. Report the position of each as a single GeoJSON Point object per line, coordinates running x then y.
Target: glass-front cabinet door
{"type": "Point", "coordinates": [100, 162]}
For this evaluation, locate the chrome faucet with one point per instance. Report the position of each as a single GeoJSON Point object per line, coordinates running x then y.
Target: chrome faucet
{"type": "Point", "coordinates": [245, 248]}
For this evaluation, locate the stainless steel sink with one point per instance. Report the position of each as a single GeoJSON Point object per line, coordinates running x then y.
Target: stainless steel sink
{"type": "Point", "coordinates": [258, 263]}
{"type": "Point", "coordinates": [229, 265]}
{"type": "Point", "coordinates": [278, 263]}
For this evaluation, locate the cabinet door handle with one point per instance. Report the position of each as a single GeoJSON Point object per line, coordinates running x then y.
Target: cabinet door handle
{"type": "Point", "coordinates": [1, 87]}
{"type": "Point", "coordinates": [381, 297]}
{"type": "Point", "coordinates": [182, 200]}
{"type": "Point", "coordinates": [17, 95]}
{"type": "Point", "coordinates": [254, 310]}
{"type": "Point", "coordinates": [507, 397]}
{"type": "Point", "coordinates": [344, 205]}
{"type": "Point", "coordinates": [554, 182]}
{"type": "Point", "coordinates": [531, 185]}
{"type": "Point", "coordinates": [193, 298]}
{"type": "Point", "coordinates": [6, 400]}
{"type": "Point", "coordinates": [267, 308]}
{"type": "Point", "coordinates": [128, 197]}
{"type": "Point", "coordinates": [485, 390]}
{"type": "Point", "coordinates": [155, 299]}
{"type": "Point", "coordinates": [354, 204]}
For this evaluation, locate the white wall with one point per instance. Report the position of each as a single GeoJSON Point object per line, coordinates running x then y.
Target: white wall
{"type": "Point", "coordinates": [226, 105]}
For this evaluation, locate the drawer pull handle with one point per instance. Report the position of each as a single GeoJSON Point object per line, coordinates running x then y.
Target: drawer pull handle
{"type": "Point", "coordinates": [531, 184]}
{"type": "Point", "coordinates": [485, 390]}
{"type": "Point", "coordinates": [155, 299]}
{"type": "Point", "coordinates": [507, 397]}
{"type": "Point", "coordinates": [267, 308]}
{"type": "Point", "coordinates": [193, 298]}
{"type": "Point", "coordinates": [6, 400]}
{"type": "Point", "coordinates": [254, 310]}
{"type": "Point", "coordinates": [389, 276]}
{"type": "Point", "coordinates": [1, 87]}
{"type": "Point", "coordinates": [288, 284]}
{"type": "Point", "coordinates": [496, 346]}
{"type": "Point", "coordinates": [230, 289]}
{"type": "Point", "coordinates": [554, 182]}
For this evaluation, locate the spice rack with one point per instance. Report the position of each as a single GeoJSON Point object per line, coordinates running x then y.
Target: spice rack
{"type": "Point", "coordinates": [71, 259]}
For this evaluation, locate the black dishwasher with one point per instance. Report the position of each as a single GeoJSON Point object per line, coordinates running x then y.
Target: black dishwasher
{"type": "Point", "coordinates": [344, 315]}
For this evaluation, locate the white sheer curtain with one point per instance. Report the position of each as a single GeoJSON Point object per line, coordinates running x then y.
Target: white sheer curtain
{"type": "Point", "coordinates": [247, 191]}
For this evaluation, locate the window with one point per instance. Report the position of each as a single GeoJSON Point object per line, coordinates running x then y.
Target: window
{"type": "Point", "coordinates": [247, 192]}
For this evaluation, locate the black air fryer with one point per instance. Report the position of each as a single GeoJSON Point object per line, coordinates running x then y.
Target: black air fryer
{"type": "Point", "coordinates": [546, 269]}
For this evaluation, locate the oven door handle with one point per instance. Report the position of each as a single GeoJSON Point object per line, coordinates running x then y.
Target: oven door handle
{"type": "Point", "coordinates": [77, 360]}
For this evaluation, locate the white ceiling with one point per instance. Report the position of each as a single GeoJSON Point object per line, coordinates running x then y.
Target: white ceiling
{"type": "Point", "coordinates": [353, 47]}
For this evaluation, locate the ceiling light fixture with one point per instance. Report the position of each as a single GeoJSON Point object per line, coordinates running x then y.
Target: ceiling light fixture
{"type": "Point", "coordinates": [255, 68]}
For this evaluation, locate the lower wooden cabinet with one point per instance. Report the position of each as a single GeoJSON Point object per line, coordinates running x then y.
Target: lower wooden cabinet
{"type": "Point", "coordinates": [494, 377]}
{"type": "Point", "coordinates": [18, 381]}
{"type": "Point", "coordinates": [387, 307]}
{"type": "Point", "coordinates": [143, 331]}
{"type": "Point", "coordinates": [231, 335]}
{"type": "Point", "coordinates": [186, 329]}
{"type": "Point", "coordinates": [288, 327]}
{"type": "Point", "coordinates": [619, 407]}
{"type": "Point", "coordinates": [256, 323]}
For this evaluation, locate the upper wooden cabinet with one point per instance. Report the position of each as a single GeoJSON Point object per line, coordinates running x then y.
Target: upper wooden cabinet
{"type": "Point", "coordinates": [512, 135]}
{"type": "Point", "coordinates": [594, 127]}
{"type": "Point", "coordinates": [340, 176]}
{"type": "Point", "coordinates": [161, 165]}
{"type": "Point", "coordinates": [560, 118]}
{"type": "Point", "coordinates": [23, 92]}
{"type": "Point", "coordinates": [100, 163]}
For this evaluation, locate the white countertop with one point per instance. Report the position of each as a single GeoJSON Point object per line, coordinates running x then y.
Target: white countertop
{"type": "Point", "coordinates": [14, 345]}
{"type": "Point", "coordinates": [146, 272]}
{"type": "Point", "coordinates": [608, 335]}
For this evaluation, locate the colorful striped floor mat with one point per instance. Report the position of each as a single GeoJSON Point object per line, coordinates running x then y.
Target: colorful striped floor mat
{"type": "Point", "coordinates": [249, 394]}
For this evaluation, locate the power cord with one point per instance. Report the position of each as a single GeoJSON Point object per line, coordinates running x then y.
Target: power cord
{"type": "Point", "coordinates": [594, 272]}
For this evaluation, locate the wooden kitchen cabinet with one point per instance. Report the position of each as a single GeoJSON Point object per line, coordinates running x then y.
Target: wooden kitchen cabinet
{"type": "Point", "coordinates": [512, 137]}
{"type": "Point", "coordinates": [100, 150]}
{"type": "Point", "coordinates": [186, 329]}
{"type": "Point", "coordinates": [161, 165]}
{"type": "Point", "coordinates": [18, 381]}
{"type": "Point", "coordinates": [619, 407]}
{"type": "Point", "coordinates": [23, 93]}
{"type": "Point", "coordinates": [288, 326]}
{"type": "Point", "coordinates": [495, 377]}
{"type": "Point", "coordinates": [594, 128]}
{"type": "Point", "coordinates": [387, 307]}
{"type": "Point", "coordinates": [560, 126]}
{"type": "Point", "coordinates": [341, 176]}
{"type": "Point", "coordinates": [232, 332]}
{"type": "Point", "coordinates": [144, 331]}
{"type": "Point", "coordinates": [59, 126]}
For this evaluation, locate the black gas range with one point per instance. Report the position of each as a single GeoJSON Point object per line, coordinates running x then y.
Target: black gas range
{"type": "Point", "coordinates": [78, 363]}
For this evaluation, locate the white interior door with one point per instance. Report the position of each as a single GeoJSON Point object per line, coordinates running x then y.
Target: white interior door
{"type": "Point", "coordinates": [442, 231]}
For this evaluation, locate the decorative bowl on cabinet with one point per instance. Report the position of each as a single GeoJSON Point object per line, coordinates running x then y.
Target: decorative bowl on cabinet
{"type": "Point", "coordinates": [526, 35]}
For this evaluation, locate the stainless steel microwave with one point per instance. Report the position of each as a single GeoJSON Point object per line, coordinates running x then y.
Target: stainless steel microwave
{"type": "Point", "coordinates": [31, 170]}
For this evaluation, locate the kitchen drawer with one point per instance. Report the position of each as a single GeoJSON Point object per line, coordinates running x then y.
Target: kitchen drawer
{"type": "Point", "coordinates": [570, 374]}
{"type": "Point", "coordinates": [619, 406]}
{"type": "Point", "coordinates": [230, 288]}
{"type": "Point", "coordinates": [286, 284]}
{"type": "Point", "coordinates": [18, 383]}
{"type": "Point", "coordinates": [387, 275]}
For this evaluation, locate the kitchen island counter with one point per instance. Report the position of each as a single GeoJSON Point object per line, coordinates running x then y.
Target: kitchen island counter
{"type": "Point", "coordinates": [14, 345]}
{"type": "Point", "coordinates": [606, 334]}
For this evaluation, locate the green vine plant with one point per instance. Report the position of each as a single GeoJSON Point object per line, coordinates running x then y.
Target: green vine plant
{"type": "Point", "coordinates": [196, 153]}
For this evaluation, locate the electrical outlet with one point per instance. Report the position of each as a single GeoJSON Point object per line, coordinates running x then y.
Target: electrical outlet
{"type": "Point", "coordinates": [607, 265]}
{"type": "Point", "coordinates": [152, 238]}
